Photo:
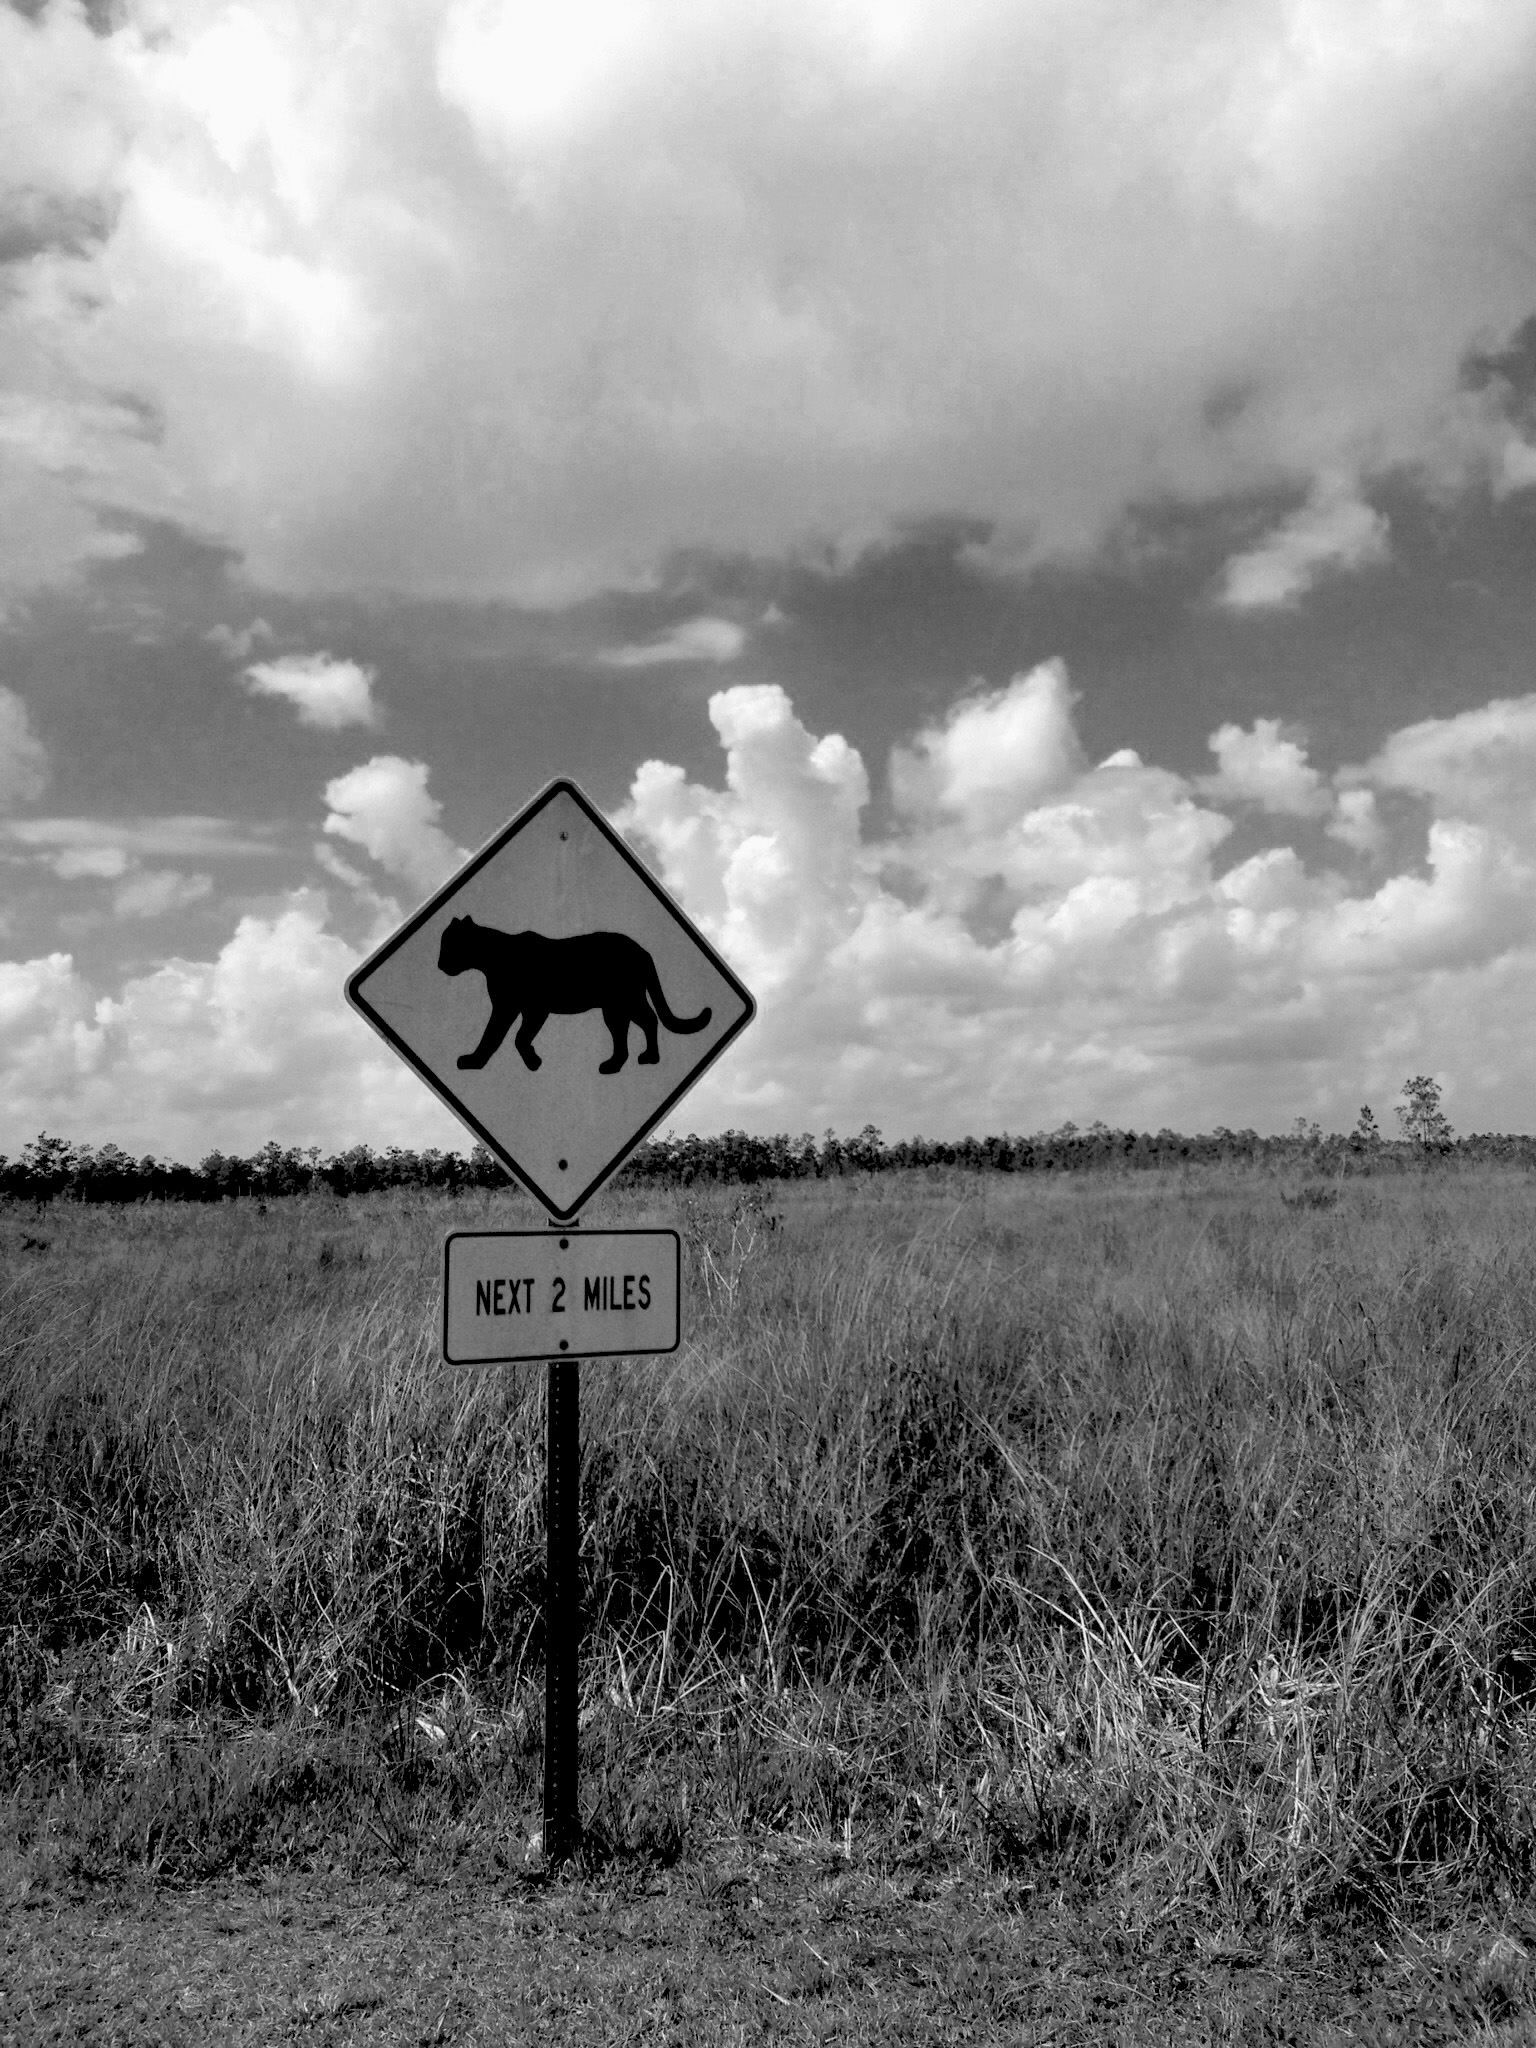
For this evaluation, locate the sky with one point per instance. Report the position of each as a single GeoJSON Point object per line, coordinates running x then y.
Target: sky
{"type": "Point", "coordinates": [1022, 511]}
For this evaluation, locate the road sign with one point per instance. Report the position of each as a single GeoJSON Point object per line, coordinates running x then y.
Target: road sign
{"type": "Point", "coordinates": [554, 997]}
{"type": "Point", "coordinates": [525, 1294]}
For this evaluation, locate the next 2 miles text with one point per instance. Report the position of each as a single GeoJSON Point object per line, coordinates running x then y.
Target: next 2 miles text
{"type": "Point", "coordinates": [616, 1293]}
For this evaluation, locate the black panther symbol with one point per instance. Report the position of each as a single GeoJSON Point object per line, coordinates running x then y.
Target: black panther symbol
{"type": "Point", "coordinates": [529, 976]}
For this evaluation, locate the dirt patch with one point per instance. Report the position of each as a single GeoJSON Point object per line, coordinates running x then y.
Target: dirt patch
{"type": "Point", "coordinates": [755, 1943]}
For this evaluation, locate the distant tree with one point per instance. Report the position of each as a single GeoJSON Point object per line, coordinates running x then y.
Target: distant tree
{"type": "Point", "coordinates": [866, 1150]}
{"type": "Point", "coordinates": [1365, 1135]}
{"type": "Point", "coordinates": [1420, 1117]}
{"type": "Point", "coordinates": [46, 1166]}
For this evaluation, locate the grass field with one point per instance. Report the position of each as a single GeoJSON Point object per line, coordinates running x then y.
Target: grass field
{"type": "Point", "coordinates": [1162, 1544]}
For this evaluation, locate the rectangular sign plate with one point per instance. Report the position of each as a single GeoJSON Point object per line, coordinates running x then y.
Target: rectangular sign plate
{"type": "Point", "coordinates": [527, 1294]}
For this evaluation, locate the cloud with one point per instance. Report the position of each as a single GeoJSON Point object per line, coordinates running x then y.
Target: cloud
{"type": "Point", "coordinates": [1067, 945]}
{"type": "Point", "coordinates": [1262, 767]}
{"type": "Point", "coordinates": [90, 863]}
{"type": "Point", "coordinates": [1335, 531]}
{"type": "Point", "coordinates": [1356, 822]}
{"type": "Point", "coordinates": [383, 806]}
{"type": "Point", "coordinates": [1034, 936]}
{"type": "Point", "coordinates": [256, 1043]}
{"type": "Point", "coordinates": [774, 859]}
{"type": "Point", "coordinates": [157, 891]}
{"type": "Point", "coordinates": [107, 850]}
{"type": "Point", "coordinates": [47, 1028]}
{"type": "Point", "coordinates": [1517, 468]}
{"type": "Point", "coordinates": [326, 693]}
{"type": "Point", "coordinates": [1470, 763]}
{"type": "Point", "coordinates": [176, 837]}
{"type": "Point", "coordinates": [239, 644]}
{"type": "Point", "coordinates": [996, 753]}
{"type": "Point", "coordinates": [412, 314]}
{"type": "Point", "coordinates": [524, 74]}
{"type": "Point", "coordinates": [23, 757]}
{"type": "Point", "coordinates": [702, 639]}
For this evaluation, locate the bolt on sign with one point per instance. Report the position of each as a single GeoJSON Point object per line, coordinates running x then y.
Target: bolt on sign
{"type": "Point", "coordinates": [554, 997]}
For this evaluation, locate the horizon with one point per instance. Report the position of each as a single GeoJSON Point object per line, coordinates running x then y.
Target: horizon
{"type": "Point", "coordinates": [53, 1154]}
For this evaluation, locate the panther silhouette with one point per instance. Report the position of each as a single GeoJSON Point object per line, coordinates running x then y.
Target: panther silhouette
{"type": "Point", "coordinates": [529, 976]}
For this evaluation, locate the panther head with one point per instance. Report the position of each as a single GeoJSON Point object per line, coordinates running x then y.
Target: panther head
{"type": "Point", "coordinates": [458, 945]}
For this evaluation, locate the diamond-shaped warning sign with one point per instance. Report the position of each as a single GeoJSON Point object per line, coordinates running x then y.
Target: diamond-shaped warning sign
{"type": "Point", "coordinates": [554, 997]}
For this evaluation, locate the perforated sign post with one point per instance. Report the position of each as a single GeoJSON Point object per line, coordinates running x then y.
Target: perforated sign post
{"type": "Point", "coordinates": [559, 1002]}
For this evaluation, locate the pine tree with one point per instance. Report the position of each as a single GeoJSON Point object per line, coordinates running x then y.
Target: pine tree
{"type": "Point", "coordinates": [1420, 1116]}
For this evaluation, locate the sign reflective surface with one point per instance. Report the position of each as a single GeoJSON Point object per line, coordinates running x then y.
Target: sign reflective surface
{"type": "Point", "coordinates": [555, 997]}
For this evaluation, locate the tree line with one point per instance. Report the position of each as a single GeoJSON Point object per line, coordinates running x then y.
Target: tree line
{"type": "Point", "coordinates": [50, 1167]}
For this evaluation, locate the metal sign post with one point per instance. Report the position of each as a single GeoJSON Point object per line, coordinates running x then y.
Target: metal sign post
{"type": "Point", "coordinates": [562, 1608]}
{"type": "Point", "coordinates": [559, 1002]}
{"type": "Point", "coordinates": [513, 1295]}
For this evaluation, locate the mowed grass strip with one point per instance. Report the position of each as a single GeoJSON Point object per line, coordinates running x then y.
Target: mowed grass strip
{"type": "Point", "coordinates": [1174, 1533]}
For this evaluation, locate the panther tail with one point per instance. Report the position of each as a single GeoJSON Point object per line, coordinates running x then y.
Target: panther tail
{"type": "Point", "coordinates": [653, 990]}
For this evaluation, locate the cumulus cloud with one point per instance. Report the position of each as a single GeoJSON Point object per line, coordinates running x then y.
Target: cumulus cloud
{"type": "Point", "coordinates": [995, 753]}
{"type": "Point", "coordinates": [396, 306]}
{"type": "Point", "coordinates": [47, 1023]}
{"type": "Point", "coordinates": [1265, 767]}
{"type": "Point", "coordinates": [702, 639]}
{"type": "Point", "coordinates": [1333, 532]}
{"type": "Point", "coordinates": [326, 693]}
{"type": "Point", "coordinates": [1356, 821]}
{"type": "Point", "coordinates": [23, 757]}
{"type": "Point", "coordinates": [385, 808]}
{"type": "Point", "coordinates": [1034, 936]}
{"type": "Point", "coordinates": [256, 1043]}
{"type": "Point", "coordinates": [776, 858]}
{"type": "Point", "coordinates": [1466, 763]}
{"type": "Point", "coordinates": [1120, 972]}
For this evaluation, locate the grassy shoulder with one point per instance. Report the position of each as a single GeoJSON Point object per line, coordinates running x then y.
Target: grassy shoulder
{"type": "Point", "coordinates": [1147, 1565]}
{"type": "Point", "coordinates": [747, 1940]}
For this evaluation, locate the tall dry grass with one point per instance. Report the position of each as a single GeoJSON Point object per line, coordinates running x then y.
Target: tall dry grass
{"type": "Point", "coordinates": [1180, 1528]}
